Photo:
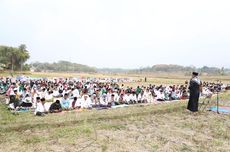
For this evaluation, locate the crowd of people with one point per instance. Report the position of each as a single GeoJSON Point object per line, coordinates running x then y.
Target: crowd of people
{"type": "Point", "coordinates": [56, 95]}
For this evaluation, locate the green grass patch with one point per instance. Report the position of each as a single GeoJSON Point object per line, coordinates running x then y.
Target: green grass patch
{"type": "Point", "coordinates": [6, 116]}
{"type": "Point", "coordinates": [154, 148]}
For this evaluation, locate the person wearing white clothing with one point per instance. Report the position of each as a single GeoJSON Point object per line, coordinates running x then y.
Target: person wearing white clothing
{"type": "Point", "coordinates": [76, 93]}
{"type": "Point", "coordinates": [27, 102]}
{"type": "Point", "coordinates": [86, 102]}
{"type": "Point", "coordinates": [40, 109]}
{"type": "Point", "coordinates": [116, 96]}
{"type": "Point", "coordinates": [133, 97]}
{"type": "Point", "coordinates": [206, 92]}
{"type": "Point", "coordinates": [127, 98]}
{"type": "Point", "coordinates": [75, 103]}
{"type": "Point", "coordinates": [49, 96]}
{"type": "Point", "coordinates": [147, 96]}
{"type": "Point", "coordinates": [160, 95]}
{"type": "Point", "coordinates": [104, 100]}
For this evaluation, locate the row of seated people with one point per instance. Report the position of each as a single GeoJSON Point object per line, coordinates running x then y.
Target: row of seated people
{"type": "Point", "coordinates": [87, 95]}
{"type": "Point", "coordinates": [69, 101]}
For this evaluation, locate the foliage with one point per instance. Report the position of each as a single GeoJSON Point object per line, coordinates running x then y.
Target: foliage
{"type": "Point", "coordinates": [170, 68]}
{"type": "Point", "coordinates": [14, 58]}
{"type": "Point", "coordinates": [61, 66]}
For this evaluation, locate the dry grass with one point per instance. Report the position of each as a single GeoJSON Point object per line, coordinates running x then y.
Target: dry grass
{"type": "Point", "coordinates": [153, 78]}
{"type": "Point", "coordinates": [165, 127]}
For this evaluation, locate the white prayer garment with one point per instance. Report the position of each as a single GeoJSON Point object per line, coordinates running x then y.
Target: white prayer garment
{"type": "Point", "coordinates": [40, 108]}
{"type": "Point", "coordinates": [86, 102]}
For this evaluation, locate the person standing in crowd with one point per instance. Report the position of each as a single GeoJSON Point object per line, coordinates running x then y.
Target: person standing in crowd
{"type": "Point", "coordinates": [195, 87]}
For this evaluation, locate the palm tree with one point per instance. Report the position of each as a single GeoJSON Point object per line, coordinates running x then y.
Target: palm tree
{"type": "Point", "coordinates": [23, 55]}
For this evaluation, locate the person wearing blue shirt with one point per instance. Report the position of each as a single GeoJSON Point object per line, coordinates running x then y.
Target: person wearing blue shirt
{"type": "Point", "coordinates": [65, 102]}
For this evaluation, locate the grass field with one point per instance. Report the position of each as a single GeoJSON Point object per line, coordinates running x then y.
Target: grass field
{"type": "Point", "coordinates": [162, 127]}
{"type": "Point", "coordinates": [153, 78]}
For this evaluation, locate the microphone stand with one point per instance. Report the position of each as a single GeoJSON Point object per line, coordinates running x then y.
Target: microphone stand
{"type": "Point", "coordinates": [217, 98]}
{"type": "Point", "coordinates": [217, 102]}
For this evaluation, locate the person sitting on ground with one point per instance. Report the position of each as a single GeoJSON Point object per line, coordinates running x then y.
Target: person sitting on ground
{"type": "Point", "coordinates": [104, 100]}
{"type": "Point", "coordinates": [49, 96]}
{"type": "Point", "coordinates": [160, 95]}
{"type": "Point", "coordinates": [55, 107]}
{"type": "Point", "coordinates": [128, 98]}
{"type": "Point", "coordinates": [3, 88]}
{"type": "Point", "coordinates": [173, 95]}
{"type": "Point", "coordinates": [17, 95]}
{"type": "Point", "coordinates": [138, 91]}
{"type": "Point", "coordinates": [75, 103]}
{"type": "Point", "coordinates": [17, 100]}
{"type": "Point", "coordinates": [116, 96]}
{"type": "Point", "coordinates": [27, 102]}
{"type": "Point", "coordinates": [147, 96]}
{"type": "Point", "coordinates": [43, 93]}
{"type": "Point", "coordinates": [110, 92]}
{"type": "Point", "coordinates": [184, 94]}
{"type": "Point", "coordinates": [65, 103]}
{"type": "Point", "coordinates": [206, 92]}
{"type": "Point", "coordinates": [13, 102]}
{"type": "Point", "coordinates": [178, 94]}
{"type": "Point", "coordinates": [40, 109]}
{"type": "Point", "coordinates": [24, 93]}
{"type": "Point", "coordinates": [78, 103]}
{"type": "Point", "coordinates": [112, 101]}
{"type": "Point", "coordinates": [133, 97]}
{"type": "Point", "coordinates": [75, 92]}
{"type": "Point", "coordinates": [121, 99]}
{"type": "Point", "coordinates": [95, 101]}
{"type": "Point", "coordinates": [86, 102]}
{"type": "Point", "coordinates": [166, 93]}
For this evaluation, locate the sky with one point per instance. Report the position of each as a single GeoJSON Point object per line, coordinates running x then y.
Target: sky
{"type": "Point", "coordinates": [120, 33]}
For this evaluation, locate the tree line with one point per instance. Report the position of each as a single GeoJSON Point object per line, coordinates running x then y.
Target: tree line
{"type": "Point", "coordinates": [14, 58]}
{"type": "Point", "coordinates": [61, 66]}
{"type": "Point", "coordinates": [171, 68]}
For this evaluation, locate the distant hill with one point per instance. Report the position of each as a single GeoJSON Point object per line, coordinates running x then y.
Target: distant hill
{"type": "Point", "coordinates": [61, 66]}
{"type": "Point", "coordinates": [171, 68]}
{"type": "Point", "coordinates": [66, 66]}
{"type": "Point", "coordinates": [167, 68]}
{"type": "Point", "coordinates": [112, 70]}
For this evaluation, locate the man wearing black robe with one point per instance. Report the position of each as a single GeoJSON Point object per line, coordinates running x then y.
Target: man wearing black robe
{"type": "Point", "coordinates": [195, 89]}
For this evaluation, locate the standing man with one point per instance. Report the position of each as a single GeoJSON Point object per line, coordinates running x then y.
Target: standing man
{"type": "Point", "coordinates": [195, 87]}
{"type": "Point", "coordinates": [145, 79]}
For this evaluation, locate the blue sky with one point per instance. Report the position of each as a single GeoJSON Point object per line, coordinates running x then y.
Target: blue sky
{"type": "Point", "coordinates": [121, 33]}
